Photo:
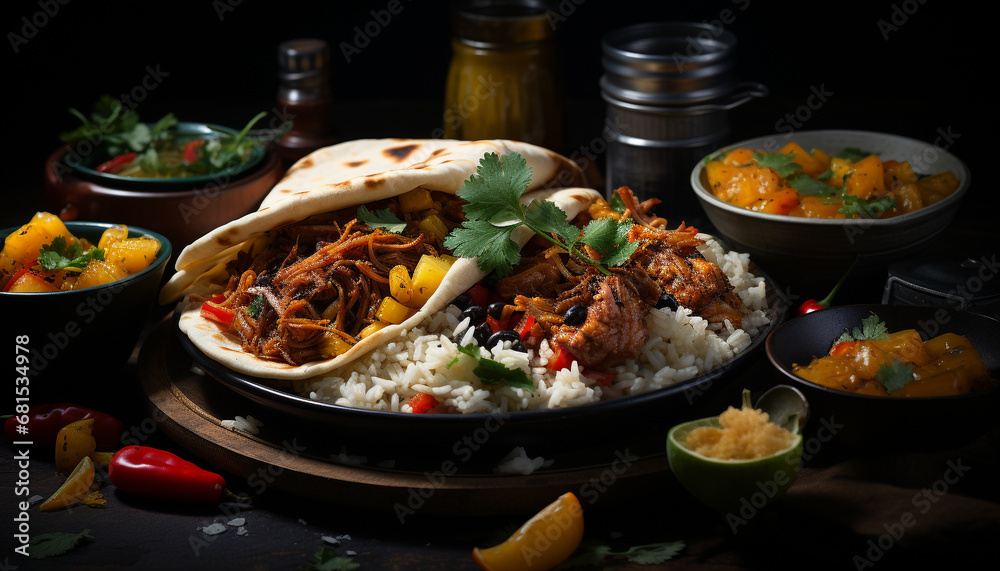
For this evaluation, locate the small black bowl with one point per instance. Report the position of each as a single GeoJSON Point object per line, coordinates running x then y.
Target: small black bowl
{"type": "Point", "coordinates": [870, 424]}
{"type": "Point", "coordinates": [77, 341]}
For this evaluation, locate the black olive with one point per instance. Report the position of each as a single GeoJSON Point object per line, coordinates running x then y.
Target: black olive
{"type": "Point", "coordinates": [462, 301]}
{"type": "Point", "coordinates": [575, 315]}
{"type": "Point", "coordinates": [495, 310]}
{"type": "Point", "coordinates": [667, 300]}
{"type": "Point", "coordinates": [518, 346]}
{"type": "Point", "coordinates": [482, 334]}
{"type": "Point", "coordinates": [475, 313]}
{"type": "Point", "coordinates": [504, 335]}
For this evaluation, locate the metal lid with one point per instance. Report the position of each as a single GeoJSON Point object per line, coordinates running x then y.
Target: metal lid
{"type": "Point", "coordinates": [302, 59]}
{"type": "Point", "coordinates": [489, 23]}
{"type": "Point", "coordinates": [668, 63]}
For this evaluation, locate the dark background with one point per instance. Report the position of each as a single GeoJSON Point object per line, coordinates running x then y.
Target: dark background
{"type": "Point", "coordinates": [902, 67]}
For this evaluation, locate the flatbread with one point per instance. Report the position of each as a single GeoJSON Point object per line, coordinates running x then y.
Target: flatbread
{"type": "Point", "coordinates": [345, 176]}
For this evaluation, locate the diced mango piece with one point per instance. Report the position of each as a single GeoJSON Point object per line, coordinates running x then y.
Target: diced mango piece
{"type": "Point", "coordinates": [372, 328]}
{"type": "Point", "coordinates": [332, 345]}
{"type": "Point", "coordinates": [841, 168]}
{"type": "Point", "coordinates": [31, 282]}
{"type": "Point", "coordinates": [866, 178]}
{"type": "Point", "coordinates": [391, 311]}
{"type": "Point", "coordinates": [427, 276]}
{"type": "Point", "coordinates": [112, 235]}
{"type": "Point", "coordinates": [416, 200]}
{"type": "Point", "coordinates": [810, 165]}
{"type": "Point", "coordinates": [400, 286]}
{"type": "Point", "coordinates": [99, 272]}
{"type": "Point", "coordinates": [434, 225]}
{"type": "Point", "coordinates": [21, 247]}
{"type": "Point", "coordinates": [132, 254]}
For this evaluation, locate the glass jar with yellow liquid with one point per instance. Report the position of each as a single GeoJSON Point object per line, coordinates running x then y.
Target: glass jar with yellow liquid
{"type": "Point", "coordinates": [502, 81]}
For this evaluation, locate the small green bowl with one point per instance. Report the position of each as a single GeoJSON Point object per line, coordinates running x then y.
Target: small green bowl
{"type": "Point", "coordinates": [86, 167]}
{"type": "Point", "coordinates": [731, 486]}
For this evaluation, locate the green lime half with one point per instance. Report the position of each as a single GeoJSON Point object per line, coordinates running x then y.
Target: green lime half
{"type": "Point", "coordinates": [731, 486]}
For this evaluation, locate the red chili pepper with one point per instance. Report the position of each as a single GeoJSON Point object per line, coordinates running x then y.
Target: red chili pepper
{"type": "Point", "coordinates": [422, 403]}
{"type": "Point", "coordinates": [43, 422]}
{"type": "Point", "coordinates": [480, 295]}
{"type": "Point", "coordinates": [811, 305]}
{"type": "Point", "coordinates": [562, 359]}
{"type": "Point", "coordinates": [191, 150]}
{"type": "Point", "coordinates": [153, 473]}
{"type": "Point", "coordinates": [525, 328]}
{"type": "Point", "coordinates": [113, 164]}
{"type": "Point", "coordinates": [222, 315]}
{"type": "Point", "coordinates": [496, 324]}
{"type": "Point", "coordinates": [843, 348]}
{"type": "Point", "coordinates": [17, 275]}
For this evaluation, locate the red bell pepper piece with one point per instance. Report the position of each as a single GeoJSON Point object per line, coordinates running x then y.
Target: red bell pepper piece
{"type": "Point", "coordinates": [115, 163]}
{"type": "Point", "coordinates": [422, 403]}
{"type": "Point", "coordinates": [154, 473]}
{"type": "Point", "coordinates": [479, 295]}
{"type": "Point", "coordinates": [222, 315]}
{"type": "Point", "coordinates": [44, 421]}
{"type": "Point", "coordinates": [191, 150]}
{"type": "Point", "coordinates": [562, 359]}
{"type": "Point", "coordinates": [843, 348]}
{"type": "Point", "coordinates": [525, 328]}
{"type": "Point", "coordinates": [17, 275]}
{"type": "Point", "coordinates": [496, 324]}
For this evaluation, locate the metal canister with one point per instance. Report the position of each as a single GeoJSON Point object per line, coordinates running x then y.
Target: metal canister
{"type": "Point", "coordinates": [669, 87]}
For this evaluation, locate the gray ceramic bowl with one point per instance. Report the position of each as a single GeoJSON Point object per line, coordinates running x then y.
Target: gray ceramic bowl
{"type": "Point", "coordinates": [791, 247]}
{"type": "Point", "coordinates": [78, 340]}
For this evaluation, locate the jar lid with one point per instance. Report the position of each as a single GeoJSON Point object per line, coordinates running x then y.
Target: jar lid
{"type": "Point", "coordinates": [504, 22]}
{"type": "Point", "coordinates": [303, 58]}
{"type": "Point", "coordinates": [668, 63]}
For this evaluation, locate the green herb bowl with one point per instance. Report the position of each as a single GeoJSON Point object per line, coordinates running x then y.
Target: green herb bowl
{"type": "Point", "coordinates": [78, 341]}
{"type": "Point", "coordinates": [85, 164]}
{"type": "Point", "coordinates": [813, 253]}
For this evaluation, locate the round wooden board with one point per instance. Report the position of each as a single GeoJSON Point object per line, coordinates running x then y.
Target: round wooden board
{"type": "Point", "coordinates": [315, 461]}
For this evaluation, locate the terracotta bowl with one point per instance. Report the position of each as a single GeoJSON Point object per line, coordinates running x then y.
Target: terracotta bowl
{"type": "Point", "coordinates": [181, 213]}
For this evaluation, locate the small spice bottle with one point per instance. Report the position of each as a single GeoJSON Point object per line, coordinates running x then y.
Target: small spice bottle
{"type": "Point", "coordinates": [502, 79]}
{"type": "Point", "coordinates": [304, 98]}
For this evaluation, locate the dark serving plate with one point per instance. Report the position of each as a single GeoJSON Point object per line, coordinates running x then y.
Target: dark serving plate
{"type": "Point", "coordinates": [867, 423]}
{"type": "Point", "coordinates": [633, 424]}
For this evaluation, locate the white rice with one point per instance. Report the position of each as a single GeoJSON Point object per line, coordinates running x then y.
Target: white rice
{"type": "Point", "coordinates": [681, 346]}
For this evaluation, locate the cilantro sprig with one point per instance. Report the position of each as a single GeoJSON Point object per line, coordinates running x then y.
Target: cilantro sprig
{"type": "Point", "coordinates": [872, 328]}
{"type": "Point", "coordinates": [491, 372]}
{"type": "Point", "coordinates": [383, 219]}
{"type": "Point", "coordinates": [866, 208]}
{"type": "Point", "coordinates": [57, 255]}
{"type": "Point", "coordinates": [56, 543]}
{"type": "Point", "coordinates": [493, 211]}
{"type": "Point", "coordinates": [595, 555]}
{"type": "Point", "coordinates": [894, 375]}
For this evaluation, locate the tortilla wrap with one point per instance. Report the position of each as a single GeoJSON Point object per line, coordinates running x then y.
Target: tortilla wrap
{"type": "Point", "coordinates": [346, 176]}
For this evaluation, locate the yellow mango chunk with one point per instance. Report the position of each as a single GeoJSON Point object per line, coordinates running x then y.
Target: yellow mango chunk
{"type": "Point", "coordinates": [132, 254]}
{"type": "Point", "coordinates": [112, 235]}
{"type": "Point", "coordinates": [427, 276]}
{"type": "Point", "coordinates": [99, 272]}
{"type": "Point", "coordinates": [416, 200]}
{"type": "Point", "coordinates": [391, 311]}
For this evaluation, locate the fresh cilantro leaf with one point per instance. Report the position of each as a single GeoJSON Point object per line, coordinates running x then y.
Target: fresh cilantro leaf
{"type": "Point", "coordinates": [491, 372]}
{"type": "Point", "coordinates": [616, 203]}
{"type": "Point", "coordinates": [547, 217]}
{"type": "Point", "coordinates": [592, 554]}
{"type": "Point", "coordinates": [894, 374]}
{"type": "Point", "coordinates": [163, 125]}
{"type": "Point", "coordinates": [805, 184]}
{"type": "Point", "coordinates": [382, 219]}
{"type": "Point", "coordinates": [609, 237]}
{"type": "Point", "coordinates": [492, 245]}
{"type": "Point", "coordinates": [494, 193]}
{"type": "Point", "coordinates": [872, 328]}
{"type": "Point", "coordinates": [784, 165]}
{"type": "Point", "coordinates": [57, 256]}
{"type": "Point", "coordinates": [870, 208]}
{"type": "Point", "coordinates": [327, 560]}
{"type": "Point", "coordinates": [853, 154]}
{"type": "Point", "coordinates": [493, 210]}
{"type": "Point", "coordinates": [57, 543]}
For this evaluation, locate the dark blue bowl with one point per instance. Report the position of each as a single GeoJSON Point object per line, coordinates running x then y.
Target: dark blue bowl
{"type": "Point", "coordinates": [75, 337]}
